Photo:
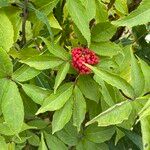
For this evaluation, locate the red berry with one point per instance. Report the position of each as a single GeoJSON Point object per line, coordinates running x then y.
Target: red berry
{"type": "Point", "coordinates": [82, 55]}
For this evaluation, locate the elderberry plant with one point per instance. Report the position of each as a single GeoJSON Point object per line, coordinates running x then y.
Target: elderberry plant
{"type": "Point", "coordinates": [74, 74]}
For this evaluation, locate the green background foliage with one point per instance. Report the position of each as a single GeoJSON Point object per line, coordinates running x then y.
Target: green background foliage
{"type": "Point", "coordinates": [46, 104]}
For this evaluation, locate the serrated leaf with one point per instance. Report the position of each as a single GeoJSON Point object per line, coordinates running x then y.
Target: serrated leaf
{"type": "Point", "coordinates": [45, 6]}
{"type": "Point", "coordinates": [68, 134]}
{"type": "Point", "coordinates": [134, 137]}
{"type": "Point", "coordinates": [38, 123]}
{"type": "Point", "coordinates": [25, 73]}
{"type": "Point", "coordinates": [61, 74]}
{"type": "Point", "coordinates": [37, 94]}
{"type": "Point", "coordinates": [106, 48]}
{"type": "Point", "coordinates": [6, 67]}
{"type": "Point", "coordinates": [79, 109]}
{"type": "Point", "coordinates": [34, 140]}
{"type": "Point", "coordinates": [42, 62]}
{"type": "Point", "coordinates": [99, 134]}
{"type": "Point", "coordinates": [121, 6]}
{"type": "Point", "coordinates": [114, 80]}
{"type": "Point", "coordinates": [101, 12]}
{"type": "Point", "coordinates": [56, 101]}
{"type": "Point", "coordinates": [14, 17]}
{"type": "Point", "coordinates": [3, 87]}
{"type": "Point", "coordinates": [24, 53]}
{"type": "Point", "coordinates": [53, 22]}
{"type": "Point", "coordinates": [90, 8]}
{"type": "Point", "coordinates": [43, 18]}
{"type": "Point", "coordinates": [85, 144]}
{"type": "Point", "coordinates": [54, 143]}
{"type": "Point", "coordinates": [6, 32]}
{"type": "Point", "coordinates": [145, 124]}
{"type": "Point", "coordinates": [108, 117]}
{"type": "Point", "coordinates": [78, 15]}
{"type": "Point", "coordinates": [105, 92]}
{"type": "Point", "coordinates": [136, 16]}
{"type": "Point", "coordinates": [103, 32]}
{"type": "Point", "coordinates": [56, 50]}
{"type": "Point", "coordinates": [62, 116]}
{"type": "Point", "coordinates": [145, 111]}
{"type": "Point", "coordinates": [137, 77]}
{"type": "Point", "coordinates": [146, 72]}
{"type": "Point", "coordinates": [4, 129]}
{"type": "Point", "coordinates": [42, 143]}
{"type": "Point", "coordinates": [85, 83]}
{"type": "Point", "coordinates": [12, 107]}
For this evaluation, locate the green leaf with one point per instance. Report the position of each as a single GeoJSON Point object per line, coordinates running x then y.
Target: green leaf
{"type": "Point", "coordinates": [56, 50]}
{"type": "Point", "coordinates": [85, 144]}
{"type": "Point", "coordinates": [42, 62]}
{"type": "Point", "coordinates": [34, 139]}
{"type": "Point", "coordinates": [114, 80]}
{"type": "Point", "coordinates": [145, 111]}
{"type": "Point", "coordinates": [101, 12]}
{"type": "Point", "coordinates": [105, 92]}
{"type": "Point", "coordinates": [134, 137]}
{"type": "Point", "coordinates": [6, 67]}
{"type": "Point", "coordinates": [108, 117]}
{"type": "Point", "coordinates": [99, 134]}
{"type": "Point", "coordinates": [42, 143]}
{"type": "Point", "coordinates": [61, 74]}
{"type": "Point", "coordinates": [79, 16]}
{"type": "Point", "coordinates": [106, 48]}
{"type": "Point", "coordinates": [103, 32]}
{"type": "Point", "coordinates": [137, 77]}
{"type": "Point", "coordinates": [3, 144]}
{"type": "Point", "coordinates": [90, 8]}
{"type": "Point", "coordinates": [4, 3]}
{"type": "Point", "coordinates": [25, 73]}
{"type": "Point", "coordinates": [53, 22]}
{"type": "Point", "coordinates": [12, 107]}
{"type": "Point", "coordinates": [6, 32]}
{"type": "Point", "coordinates": [3, 88]}
{"type": "Point", "coordinates": [85, 83]}
{"type": "Point", "coordinates": [38, 123]}
{"type": "Point", "coordinates": [121, 6]}
{"type": "Point", "coordinates": [4, 129]}
{"type": "Point", "coordinates": [136, 17]}
{"type": "Point", "coordinates": [145, 124]}
{"type": "Point", "coordinates": [43, 18]}
{"type": "Point", "coordinates": [45, 6]}
{"type": "Point", "coordinates": [146, 71]}
{"type": "Point", "coordinates": [79, 109]}
{"type": "Point", "coordinates": [37, 94]}
{"type": "Point", "coordinates": [14, 17]}
{"type": "Point", "coordinates": [68, 134]}
{"type": "Point", "coordinates": [62, 116]}
{"type": "Point", "coordinates": [56, 101]}
{"type": "Point", "coordinates": [54, 143]}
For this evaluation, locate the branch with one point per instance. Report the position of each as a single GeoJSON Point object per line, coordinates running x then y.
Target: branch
{"type": "Point", "coordinates": [24, 19]}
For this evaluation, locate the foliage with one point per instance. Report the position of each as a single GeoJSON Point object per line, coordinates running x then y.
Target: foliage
{"type": "Point", "coordinates": [45, 103]}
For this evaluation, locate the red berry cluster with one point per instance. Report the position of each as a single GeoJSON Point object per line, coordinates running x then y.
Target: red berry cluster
{"type": "Point", "coordinates": [82, 55]}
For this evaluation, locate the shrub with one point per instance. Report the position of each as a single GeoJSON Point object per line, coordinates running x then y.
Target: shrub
{"type": "Point", "coordinates": [74, 74]}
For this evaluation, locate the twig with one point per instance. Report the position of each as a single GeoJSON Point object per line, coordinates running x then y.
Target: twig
{"type": "Point", "coordinates": [24, 19]}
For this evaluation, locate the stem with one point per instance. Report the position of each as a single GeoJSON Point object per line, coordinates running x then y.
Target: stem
{"type": "Point", "coordinates": [24, 19]}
